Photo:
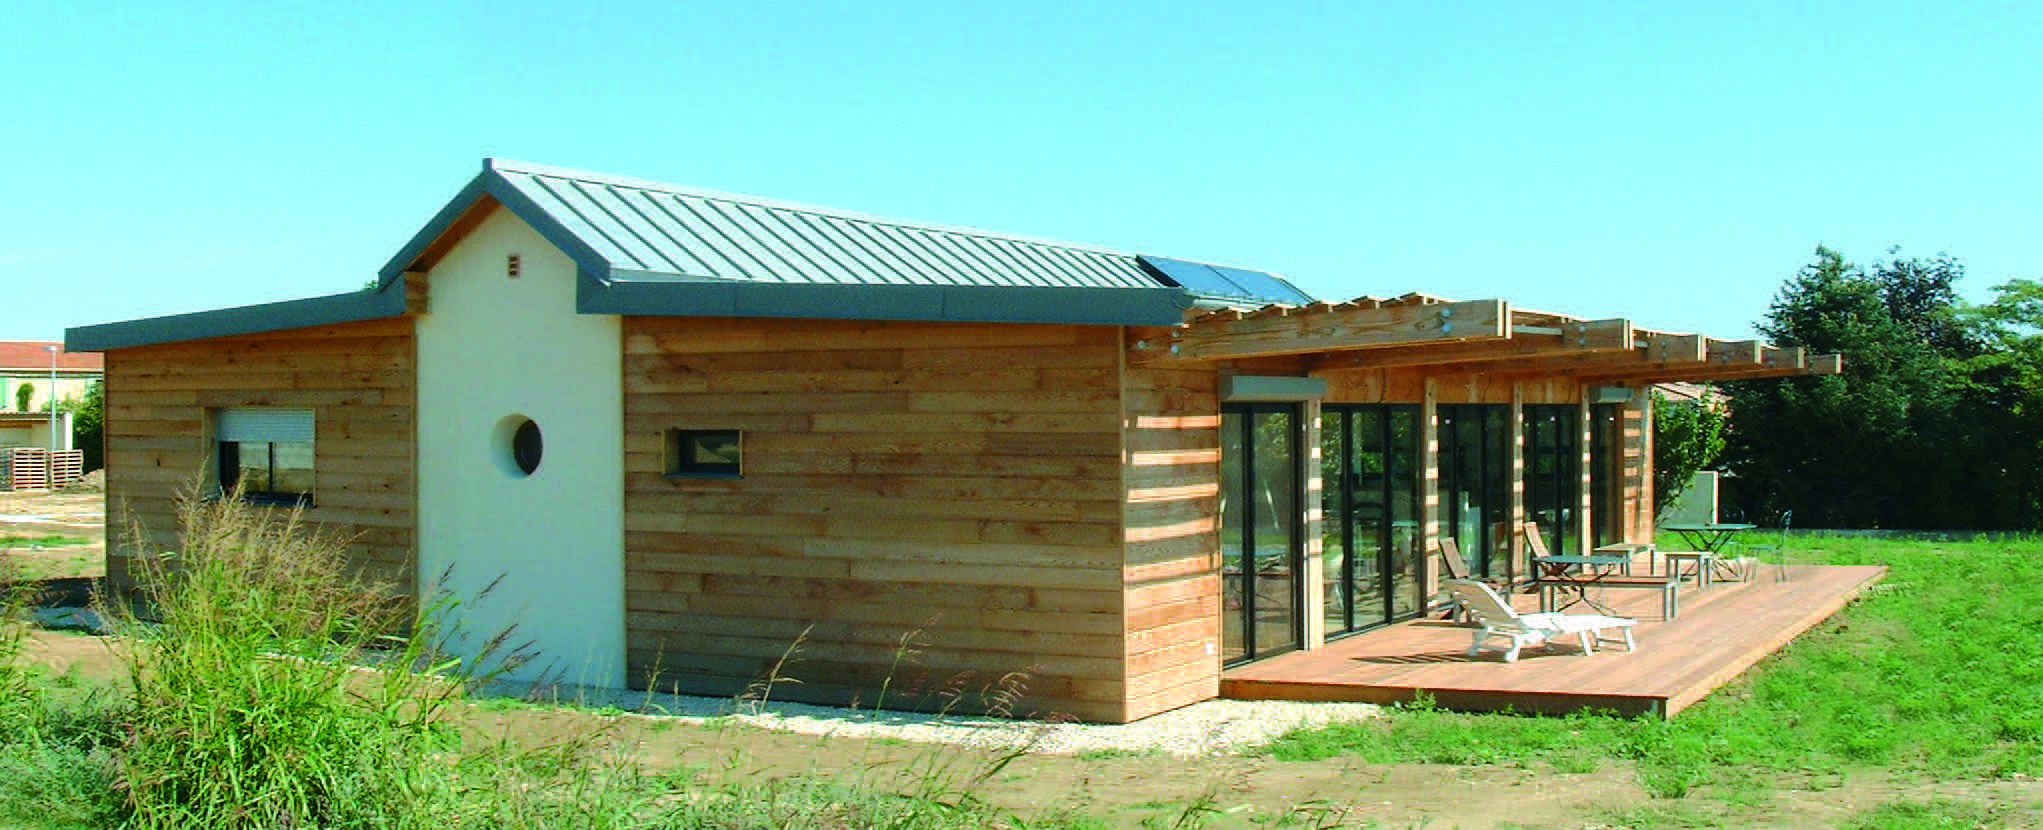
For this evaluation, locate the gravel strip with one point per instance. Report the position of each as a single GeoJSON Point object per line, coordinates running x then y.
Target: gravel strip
{"type": "Point", "coordinates": [1207, 728]}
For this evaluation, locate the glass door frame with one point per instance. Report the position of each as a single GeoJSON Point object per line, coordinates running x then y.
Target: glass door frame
{"type": "Point", "coordinates": [1243, 552]}
{"type": "Point", "coordinates": [1340, 423]}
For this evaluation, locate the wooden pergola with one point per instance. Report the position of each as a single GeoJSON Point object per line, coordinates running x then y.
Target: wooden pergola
{"type": "Point", "coordinates": [1469, 337]}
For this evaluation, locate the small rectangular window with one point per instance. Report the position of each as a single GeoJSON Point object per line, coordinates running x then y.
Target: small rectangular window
{"type": "Point", "coordinates": [267, 453]}
{"type": "Point", "coordinates": [705, 453]}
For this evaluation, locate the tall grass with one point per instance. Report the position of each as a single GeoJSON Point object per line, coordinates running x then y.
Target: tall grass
{"type": "Point", "coordinates": [266, 686]}
{"type": "Point", "coordinates": [1935, 671]}
{"type": "Point", "coordinates": [249, 704]}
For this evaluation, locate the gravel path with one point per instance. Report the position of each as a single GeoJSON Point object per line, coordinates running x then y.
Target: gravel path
{"type": "Point", "coordinates": [1207, 728]}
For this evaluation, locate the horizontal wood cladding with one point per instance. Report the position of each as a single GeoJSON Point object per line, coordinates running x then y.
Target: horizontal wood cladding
{"type": "Point", "coordinates": [1171, 508]}
{"type": "Point", "coordinates": [933, 509]}
{"type": "Point", "coordinates": [1409, 386]}
{"type": "Point", "coordinates": [358, 378]}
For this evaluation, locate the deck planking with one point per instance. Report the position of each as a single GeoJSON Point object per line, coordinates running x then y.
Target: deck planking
{"type": "Point", "coordinates": [1720, 632]}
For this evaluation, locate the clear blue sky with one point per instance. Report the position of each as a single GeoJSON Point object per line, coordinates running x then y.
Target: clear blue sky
{"type": "Point", "coordinates": [1666, 163]}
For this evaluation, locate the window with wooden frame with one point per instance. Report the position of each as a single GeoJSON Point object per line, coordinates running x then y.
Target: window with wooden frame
{"type": "Point", "coordinates": [705, 453]}
{"type": "Point", "coordinates": [265, 454]}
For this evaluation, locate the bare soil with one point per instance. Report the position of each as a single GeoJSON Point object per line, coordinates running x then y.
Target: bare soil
{"type": "Point", "coordinates": [1135, 790]}
{"type": "Point", "coordinates": [73, 514]}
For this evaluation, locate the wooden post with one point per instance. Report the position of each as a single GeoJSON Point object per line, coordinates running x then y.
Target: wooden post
{"type": "Point", "coordinates": [1312, 573]}
{"type": "Point", "coordinates": [1429, 487]}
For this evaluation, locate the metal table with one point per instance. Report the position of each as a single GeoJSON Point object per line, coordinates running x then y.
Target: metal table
{"type": "Point", "coordinates": [1711, 539]}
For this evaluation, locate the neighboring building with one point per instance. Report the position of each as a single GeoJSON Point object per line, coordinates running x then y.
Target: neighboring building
{"type": "Point", "coordinates": [686, 432]}
{"type": "Point", "coordinates": [26, 365]}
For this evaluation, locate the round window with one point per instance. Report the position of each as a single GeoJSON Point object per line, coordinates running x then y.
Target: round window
{"type": "Point", "coordinates": [519, 445]}
{"type": "Point", "coordinates": [526, 447]}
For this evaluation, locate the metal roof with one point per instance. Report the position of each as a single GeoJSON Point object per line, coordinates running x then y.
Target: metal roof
{"type": "Point", "coordinates": [642, 229]}
{"type": "Point", "coordinates": [645, 247]}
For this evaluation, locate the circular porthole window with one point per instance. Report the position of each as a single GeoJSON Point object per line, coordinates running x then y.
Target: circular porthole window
{"type": "Point", "coordinates": [519, 445]}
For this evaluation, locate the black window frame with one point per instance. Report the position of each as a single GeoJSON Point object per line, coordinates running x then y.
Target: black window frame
{"type": "Point", "coordinates": [682, 460]}
{"type": "Point", "coordinates": [229, 455]}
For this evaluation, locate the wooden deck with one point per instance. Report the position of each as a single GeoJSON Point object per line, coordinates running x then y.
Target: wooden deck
{"type": "Point", "coordinates": [1720, 632]}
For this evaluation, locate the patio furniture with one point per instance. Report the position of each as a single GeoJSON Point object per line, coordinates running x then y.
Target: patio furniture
{"type": "Point", "coordinates": [1500, 621]}
{"type": "Point", "coordinates": [1701, 563]}
{"type": "Point", "coordinates": [1577, 575]}
{"type": "Point", "coordinates": [1451, 567]}
{"type": "Point", "coordinates": [1711, 538]}
{"type": "Point", "coordinates": [1777, 550]}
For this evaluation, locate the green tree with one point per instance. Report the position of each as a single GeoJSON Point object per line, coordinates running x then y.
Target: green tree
{"type": "Point", "coordinates": [22, 395]}
{"type": "Point", "coordinates": [1915, 433]}
{"type": "Point", "coordinates": [1687, 436]}
{"type": "Point", "coordinates": [88, 424]}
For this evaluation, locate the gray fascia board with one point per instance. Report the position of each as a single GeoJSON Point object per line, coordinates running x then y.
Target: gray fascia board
{"type": "Point", "coordinates": [494, 184]}
{"type": "Point", "coordinates": [1262, 388]}
{"type": "Point", "coordinates": [945, 303]}
{"type": "Point", "coordinates": [424, 238]}
{"type": "Point", "coordinates": [253, 319]}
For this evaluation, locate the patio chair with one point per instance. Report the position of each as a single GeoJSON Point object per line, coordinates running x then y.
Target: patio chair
{"type": "Point", "coordinates": [1501, 622]}
{"type": "Point", "coordinates": [1452, 568]}
{"type": "Point", "coordinates": [1777, 552]}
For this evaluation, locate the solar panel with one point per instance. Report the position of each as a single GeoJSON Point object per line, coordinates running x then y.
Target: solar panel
{"type": "Point", "coordinates": [1219, 281]}
{"type": "Point", "coordinates": [1264, 286]}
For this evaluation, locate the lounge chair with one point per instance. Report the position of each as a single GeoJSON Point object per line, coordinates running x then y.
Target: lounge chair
{"type": "Point", "coordinates": [1520, 630]}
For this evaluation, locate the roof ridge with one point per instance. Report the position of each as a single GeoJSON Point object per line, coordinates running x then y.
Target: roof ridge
{"type": "Point", "coordinates": [594, 177]}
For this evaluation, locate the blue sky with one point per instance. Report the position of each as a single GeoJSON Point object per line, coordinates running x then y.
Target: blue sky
{"type": "Point", "coordinates": [1668, 163]}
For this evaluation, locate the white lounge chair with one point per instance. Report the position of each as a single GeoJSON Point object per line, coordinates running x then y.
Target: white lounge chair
{"type": "Point", "coordinates": [1501, 622]}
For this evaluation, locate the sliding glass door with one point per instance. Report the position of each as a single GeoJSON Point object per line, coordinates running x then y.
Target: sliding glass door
{"type": "Point", "coordinates": [1553, 474]}
{"type": "Point", "coordinates": [1475, 481]}
{"type": "Point", "coordinates": [1369, 483]}
{"type": "Point", "coordinates": [1259, 524]}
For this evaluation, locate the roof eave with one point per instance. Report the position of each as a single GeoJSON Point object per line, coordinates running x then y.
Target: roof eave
{"type": "Point", "coordinates": [351, 307]}
{"type": "Point", "coordinates": [935, 303]}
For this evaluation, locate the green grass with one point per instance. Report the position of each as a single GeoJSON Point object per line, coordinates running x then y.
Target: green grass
{"type": "Point", "coordinates": [279, 691]}
{"type": "Point", "coordinates": [52, 541]}
{"type": "Point", "coordinates": [1934, 672]}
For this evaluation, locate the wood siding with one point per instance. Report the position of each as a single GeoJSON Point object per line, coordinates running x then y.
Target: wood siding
{"type": "Point", "coordinates": [358, 380]}
{"type": "Point", "coordinates": [1172, 515]}
{"type": "Point", "coordinates": [924, 509]}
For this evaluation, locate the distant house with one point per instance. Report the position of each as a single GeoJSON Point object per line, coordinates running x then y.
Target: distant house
{"type": "Point", "coordinates": [690, 429]}
{"type": "Point", "coordinates": [26, 369]}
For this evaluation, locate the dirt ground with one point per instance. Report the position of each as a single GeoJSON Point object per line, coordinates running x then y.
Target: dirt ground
{"type": "Point", "coordinates": [1150, 789]}
{"type": "Point", "coordinates": [43, 513]}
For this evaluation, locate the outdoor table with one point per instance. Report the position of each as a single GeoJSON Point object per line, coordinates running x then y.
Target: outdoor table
{"type": "Point", "coordinates": [1577, 574]}
{"type": "Point", "coordinates": [1711, 538]}
{"type": "Point", "coordinates": [1626, 550]}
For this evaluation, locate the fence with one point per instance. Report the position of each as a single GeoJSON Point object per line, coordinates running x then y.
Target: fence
{"type": "Point", "coordinates": [28, 468]}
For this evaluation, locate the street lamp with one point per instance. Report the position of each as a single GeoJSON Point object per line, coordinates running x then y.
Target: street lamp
{"type": "Point", "coordinates": [53, 397]}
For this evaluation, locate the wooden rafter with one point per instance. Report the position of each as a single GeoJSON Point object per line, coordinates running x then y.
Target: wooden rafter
{"type": "Point", "coordinates": [1283, 330]}
{"type": "Point", "coordinates": [1575, 338]}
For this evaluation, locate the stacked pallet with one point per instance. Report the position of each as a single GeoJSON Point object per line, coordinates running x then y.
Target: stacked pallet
{"type": "Point", "coordinates": [25, 468]}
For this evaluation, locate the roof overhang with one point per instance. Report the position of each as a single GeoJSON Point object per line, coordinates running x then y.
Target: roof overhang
{"type": "Point", "coordinates": [388, 301]}
{"type": "Point", "coordinates": [1419, 331]}
{"type": "Point", "coordinates": [950, 303]}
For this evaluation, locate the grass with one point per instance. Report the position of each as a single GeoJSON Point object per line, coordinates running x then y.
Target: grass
{"type": "Point", "coordinates": [270, 688]}
{"type": "Point", "coordinates": [1934, 673]}
{"type": "Point", "coordinates": [50, 541]}
{"type": "Point", "coordinates": [251, 707]}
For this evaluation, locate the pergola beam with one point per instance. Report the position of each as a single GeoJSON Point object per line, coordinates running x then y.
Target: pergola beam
{"type": "Point", "coordinates": [1580, 337]}
{"type": "Point", "coordinates": [1305, 330]}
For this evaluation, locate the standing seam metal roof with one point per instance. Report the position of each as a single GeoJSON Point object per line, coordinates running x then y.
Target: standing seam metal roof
{"type": "Point", "coordinates": [688, 234]}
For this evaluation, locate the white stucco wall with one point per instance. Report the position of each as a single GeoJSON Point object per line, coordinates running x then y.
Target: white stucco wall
{"type": "Point", "coordinates": [492, 348]}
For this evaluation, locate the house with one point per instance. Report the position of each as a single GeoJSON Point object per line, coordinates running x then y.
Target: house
{"type": "Point", "coordinates": [690, 434]}
{"type": "Point", "coordinates": [32, 373]}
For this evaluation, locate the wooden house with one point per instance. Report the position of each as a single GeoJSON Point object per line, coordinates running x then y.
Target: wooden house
{"type": "Point", "coordinates": [693, 434]}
